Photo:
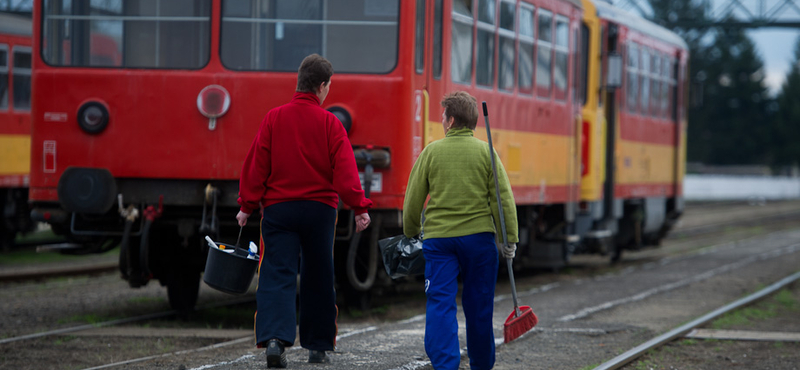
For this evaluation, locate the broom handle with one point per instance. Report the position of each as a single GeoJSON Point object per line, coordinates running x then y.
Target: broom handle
{"type": "Point", "coordinates": [500, 210]}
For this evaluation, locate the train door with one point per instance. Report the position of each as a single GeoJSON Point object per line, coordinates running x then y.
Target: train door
{"type": "Point", "coordinates": [421, 70]}
{"type": "Point", "coordinates": [427, 70]}
{"type": "Point", "coordinates": [676, 78]}
{"type": "Point", "coordinates": [434, 81]}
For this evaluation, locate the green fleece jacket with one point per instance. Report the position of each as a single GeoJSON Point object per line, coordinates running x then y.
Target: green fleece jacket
{"type": "Point", "coordinates": [457, 173]}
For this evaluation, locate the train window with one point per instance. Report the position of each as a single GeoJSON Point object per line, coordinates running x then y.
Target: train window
{"type": "Point", "coordinates": [655, 88]}
{"type": "Point", "coordinates": [632, 77]}
{"type": "Point", "coordinates": [21, 77]}
{"type": "Point", "coordinates": [3, 76]}
{"type": "Point", "coordinates": [461, 45]}
{"type": "Point", "coordinates": [544, 53]}
{"type": "Point", "coordinates": [507, 60]}
{"type": "Point", "coordinates": [357, 36]}
{"type": "Point", "coordinates": [486, 11]}
{"type": "Point", "coordinates": [484, 69]}
{"type": "Point", "coordinates": [139, 34]}
{"type": "Point", "coordinates": [644, 71]}
{"type": "Point", "coordinates": [419, 53]}
{"type": "Point", "coordinates": [560, 75]}
{"type": "Point", "coordinates": [665, 83]}
{"type": "Point", "coordinates": [437, 39]}
{"type": "Point", "coordinates": [583, 94]}
{"type": "Point", "coordinates": [526, 41]}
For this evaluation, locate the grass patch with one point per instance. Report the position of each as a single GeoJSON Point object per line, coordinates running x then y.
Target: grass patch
{"type": "Point", "coordinates": [64, 339]}
{"type": "Point", "coordinates": [30, 257]}
{"type": "Point", "coordinates": [145, 300]}
{"type": "Point", "coordinates": [38, 237]}
{"type": "Point", "coordinates": [91, 319]}
{"type": "Point", "coordinates": [589, 367]}
{"type": "Point", "coordinates": [645, 365]}
{"type": "Point", "coordinates": [783, 300]}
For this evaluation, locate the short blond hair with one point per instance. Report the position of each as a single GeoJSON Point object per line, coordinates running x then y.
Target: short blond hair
{"type": "Point", "coordinates": [463, 107]}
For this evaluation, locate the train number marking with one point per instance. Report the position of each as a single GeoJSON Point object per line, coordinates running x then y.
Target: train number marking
{"type": "Point", "coordinates": [55, 117]}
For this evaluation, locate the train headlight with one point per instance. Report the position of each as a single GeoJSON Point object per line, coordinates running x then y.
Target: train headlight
{"type": "Point", "coordinates": [213, 101]}
{"type": "Point", "coordinates": [93, 117]}
{"type": "Point", "coordinates": [344, 116]}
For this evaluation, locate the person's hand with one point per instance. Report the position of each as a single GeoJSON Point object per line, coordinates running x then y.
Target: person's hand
{"type": "Point", "coordinates": [241, 217]}
{"type": "Point", "coordinates": [510, 250]}
{"type": "Point", "coordinates": [362, 221]}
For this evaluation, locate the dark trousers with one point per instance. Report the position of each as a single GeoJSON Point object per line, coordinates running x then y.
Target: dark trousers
{"type": "Point", "coordinates": [297, 234]}
{"type": "Point", "coordinates": [474, 257]}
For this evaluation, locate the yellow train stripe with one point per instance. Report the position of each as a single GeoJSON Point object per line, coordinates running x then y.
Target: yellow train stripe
{"type": "Point", "coordinates": [530, 158]}
{"type": "Point", "coordinates": [15, 154]}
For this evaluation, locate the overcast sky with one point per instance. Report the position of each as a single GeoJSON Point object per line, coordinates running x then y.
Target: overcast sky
{"type": "Point", "coordinates": [776, 46]}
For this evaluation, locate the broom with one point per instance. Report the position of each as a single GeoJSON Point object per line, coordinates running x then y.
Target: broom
{"type": "Point", "coordinates": [522, 318]}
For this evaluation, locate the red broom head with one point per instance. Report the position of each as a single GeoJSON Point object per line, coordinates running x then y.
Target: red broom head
{"type": "Point", "coordinates": [516, 326]}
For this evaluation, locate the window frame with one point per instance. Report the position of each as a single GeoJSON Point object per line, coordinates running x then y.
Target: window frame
{"type": "Point", "coordinates": [463, 20]}
{"type": "Point", "coordinates": [545, 92]}
{"type": "Point", "coordinates": [644, 78]}
{"type": "Point", "coordinates": [323, 22]}
{"type": "Point", "coordinates": [512, 34]}
{"type": "Point", "coordinates": [529, 40]}
{"type": "Point", "coordinates": [46, 17]}
{"type": "Point", "coordinates": [419, 37]}
{"type": "Point", "coordinates": [21, 71]}
{"type": "Point", "coordinates": [5, 70]}
{"type": "Point", "coordinates": [561, 95]}
{"type": "Point", "coordinates": [491, 29]}
{"type": "Point", "coordinates": [632, 76]}
{"type": "Point", "coordinates": [438, 37]}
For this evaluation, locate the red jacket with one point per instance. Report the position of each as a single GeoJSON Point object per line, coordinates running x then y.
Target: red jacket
{"type": "Point", "coordinates": [301, 152]}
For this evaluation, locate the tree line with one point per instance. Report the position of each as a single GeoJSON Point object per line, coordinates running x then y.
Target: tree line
{"type": "Point", "coordinates": [735, 120]}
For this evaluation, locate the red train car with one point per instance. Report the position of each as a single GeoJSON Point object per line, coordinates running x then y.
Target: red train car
{"type": "Point", "coordinates": [634, 131]}
{"type": "Point", "coordinates": [144, 150]}
{"type": "Point", "coordinates": [15, 126]}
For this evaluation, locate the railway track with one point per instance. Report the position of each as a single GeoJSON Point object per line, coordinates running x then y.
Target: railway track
{"type": "Point", "coordinates": [709, 230]}
{"type": "Point", "coordinates": [128, 320]}
{"type": "Point", "coordinates": [683, 330]}
{"type": "Point", "coordinates": [373, 345]}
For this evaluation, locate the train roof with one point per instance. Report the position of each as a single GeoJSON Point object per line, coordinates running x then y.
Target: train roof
{"type": "Point", "coordinates": [608, 11]}
{"type": "Point", "coordinates": [15, 25]}
{"type": "Point", "coordinates": [578, 4]}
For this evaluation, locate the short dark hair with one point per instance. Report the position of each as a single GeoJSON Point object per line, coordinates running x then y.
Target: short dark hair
{"type": "Point", "coordinates": [313, 71]}
{"type": "Point", "coordinates": [463, 107]}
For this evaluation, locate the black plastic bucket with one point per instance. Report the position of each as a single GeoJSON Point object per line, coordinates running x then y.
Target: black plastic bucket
{"type": "Point", "coordinates": [229, 272]}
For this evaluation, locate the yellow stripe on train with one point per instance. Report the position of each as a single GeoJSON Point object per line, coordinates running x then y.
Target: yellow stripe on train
{"type": "Point", "coordinates": [641, 163]}
{"type": "Point", "coordinates": [530, 158]}
{"type": "Point", "coordinates": [15, 154]}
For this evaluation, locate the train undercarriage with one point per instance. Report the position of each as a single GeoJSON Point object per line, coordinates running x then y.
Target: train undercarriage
{"type": "Point", "coordinates": [163, 238]}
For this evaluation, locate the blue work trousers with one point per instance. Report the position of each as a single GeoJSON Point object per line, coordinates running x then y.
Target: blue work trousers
{"type": "Point", "coordinates": [475, 258]}
{"type": "Point", "coordinates": [290, 230]}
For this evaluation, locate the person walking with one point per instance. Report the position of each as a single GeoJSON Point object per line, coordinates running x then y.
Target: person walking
{"type": "Point", "coordinates": [460, 227]}
{"type": "Point", "coordinates": [298, 166]}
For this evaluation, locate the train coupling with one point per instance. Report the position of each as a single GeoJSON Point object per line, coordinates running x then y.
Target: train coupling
{"type": "Point", "coordinates": [377, 157]}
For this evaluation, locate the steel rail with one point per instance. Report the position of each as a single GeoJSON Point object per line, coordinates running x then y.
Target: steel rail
{"type": "Point", "coordinates": [151, 316]}
{"type": "Point", "coordinates": [630, 355]}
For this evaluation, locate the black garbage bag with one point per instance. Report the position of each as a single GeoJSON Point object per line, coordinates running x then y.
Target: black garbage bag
{"type": "Point", "coordinates": [402, 256]}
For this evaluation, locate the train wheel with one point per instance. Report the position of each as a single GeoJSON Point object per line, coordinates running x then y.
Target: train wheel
{"type": "Point", "coordinates": [182, 291]}
{"type": "Point", "coordinates": [616, 251]}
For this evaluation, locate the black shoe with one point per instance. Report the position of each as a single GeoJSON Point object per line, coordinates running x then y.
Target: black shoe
{"type": "Point", "coordinates": [276, 358]}
{"type": "Point", "coordinates": [318, 357]}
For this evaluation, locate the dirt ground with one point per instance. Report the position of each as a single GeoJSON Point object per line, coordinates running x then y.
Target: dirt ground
{"type": "Point", "coordinates": [779, 313]}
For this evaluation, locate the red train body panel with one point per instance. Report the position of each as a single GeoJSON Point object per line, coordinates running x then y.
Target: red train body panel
{"type": "Point", "coordinates": [116, 118]}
